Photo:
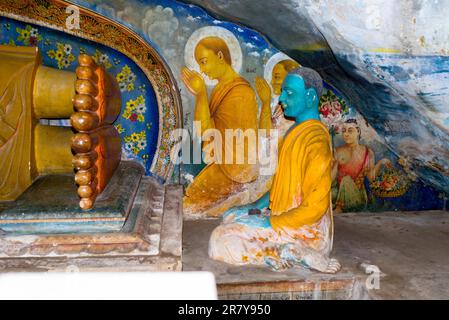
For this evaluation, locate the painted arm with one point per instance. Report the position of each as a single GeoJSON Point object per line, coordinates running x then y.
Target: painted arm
{"type": "Point", "coordinates": [202, 112]}
{"type": "Point", "coordinates": [315, 192]}
{"type": "Point", "coordinates": [238, 212]}
{"type": "Point", "coordinates": [375, 167]}
{"type": "Point", "coordinates": [264, 93]}
{"type": "Point", "coordinates": [263, 201]}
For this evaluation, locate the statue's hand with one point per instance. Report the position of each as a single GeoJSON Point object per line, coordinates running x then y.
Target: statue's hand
{"type": "Point", "coordinates": [263, 90]}
{"type": "Point", "coordinates": [255, 221]}
{"type": "Point", "coordinates": [234, 213]}
{"type": "Point", "coordinates": [193, 81]}
{"type": "Point", "coordinates": [277, 115]}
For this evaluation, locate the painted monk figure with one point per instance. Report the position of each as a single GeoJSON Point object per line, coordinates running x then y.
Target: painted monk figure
{"type": "Point", "coordinates": [291, 224]}
{"type": "Point", "coordinates": [268, 119]}
{"type": "Point", "coordinates": [232, 105]}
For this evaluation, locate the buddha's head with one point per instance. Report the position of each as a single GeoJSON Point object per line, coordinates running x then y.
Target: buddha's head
{"type": "Point", "coordinates": [301, 92]}
{"type": "Point", "coordinates": [351, 131]}
{"type": "Point", "coordinates": [280, 71]}
{"type": "Point", "coordinates": [213, 56]}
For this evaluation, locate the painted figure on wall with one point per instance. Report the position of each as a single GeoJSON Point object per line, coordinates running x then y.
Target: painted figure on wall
{"type": "Point", "coordinates": [231, 105]}
{"type": "Point", "coordinates": [271, 115]}
{"type": "Point", "coordinates": [292, 223]}
{"type": "Point", "coordinates": [353, 162]}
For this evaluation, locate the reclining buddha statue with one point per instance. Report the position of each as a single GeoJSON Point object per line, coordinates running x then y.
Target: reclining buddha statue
{"type": "Point", "coordinates": [29, 92]}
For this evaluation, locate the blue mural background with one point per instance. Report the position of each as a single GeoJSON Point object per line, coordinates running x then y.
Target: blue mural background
{"type": "Point", "coordinates": [138, 122]}
{"type": "Point", "coordinates": [167, 25]}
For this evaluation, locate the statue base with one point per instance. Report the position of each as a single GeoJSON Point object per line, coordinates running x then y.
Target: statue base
{"type": "Point", "coordinates": [148, 238]}
{"type": "Point", "coordinates": [51, 205]}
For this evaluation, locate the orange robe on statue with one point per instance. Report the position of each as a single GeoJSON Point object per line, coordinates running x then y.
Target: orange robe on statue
{"type": "Point", "coordinates": [300, 204]}
{"type": "Point", "coordinates": [301, 190]}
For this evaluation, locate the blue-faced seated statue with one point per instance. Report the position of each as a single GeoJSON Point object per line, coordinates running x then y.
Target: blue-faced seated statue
{"type": "Point", "coordinates": [292, 223]}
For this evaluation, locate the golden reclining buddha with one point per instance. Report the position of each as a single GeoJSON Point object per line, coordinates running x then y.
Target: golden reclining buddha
{"type": "Point", "coordinates": [29, 91]}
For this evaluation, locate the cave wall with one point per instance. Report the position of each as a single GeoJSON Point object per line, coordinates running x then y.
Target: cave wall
{"type": "Point", "coordinates": [390, 58]}
{"type": "Point", "coordinates": [356, 81]}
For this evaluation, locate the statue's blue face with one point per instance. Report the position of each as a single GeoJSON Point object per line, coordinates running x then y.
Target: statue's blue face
{"type": "Point", "coordinates": [293, 96]}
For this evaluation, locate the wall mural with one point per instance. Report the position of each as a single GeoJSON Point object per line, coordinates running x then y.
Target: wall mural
{"type": "Point", "coordinates": [367, 176]}
{"type": "Point", "coordinates": [138, 123]}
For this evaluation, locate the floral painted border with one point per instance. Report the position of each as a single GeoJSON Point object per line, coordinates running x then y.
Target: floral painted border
{"type": "Point", "coordinates": [97, 28]}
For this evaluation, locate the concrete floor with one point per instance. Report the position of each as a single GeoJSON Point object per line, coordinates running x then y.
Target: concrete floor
{"type": "Point", "coordinates": [410, 249]}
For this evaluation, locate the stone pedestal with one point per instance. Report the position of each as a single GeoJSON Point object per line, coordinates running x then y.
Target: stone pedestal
{"type": "Point", "coordinates": [259, 282]}
{"type": "Point", "coordinates": [149, 240]}
{"type": "Point", "coordinates": [51, 205]}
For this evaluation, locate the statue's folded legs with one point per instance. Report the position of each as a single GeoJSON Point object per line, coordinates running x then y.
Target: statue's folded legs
{"type": "Point", "coordinates": [29, 92]}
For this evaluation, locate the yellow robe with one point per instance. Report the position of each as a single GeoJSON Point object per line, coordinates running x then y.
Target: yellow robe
{"type": "Point", "coordinates": [18, 66]}
{"type": "Point", "coordinates": [232, 106]}
{"type": "Point", "coordinates": [301, 190]}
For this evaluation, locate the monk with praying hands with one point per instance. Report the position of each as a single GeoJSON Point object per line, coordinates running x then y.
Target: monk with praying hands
{"type": "Point", "coordinates": [231, 105]}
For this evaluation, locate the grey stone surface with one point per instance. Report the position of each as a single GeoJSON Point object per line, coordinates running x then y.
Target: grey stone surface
{"type": "Point", "coordinates": [171, 233]}
{"type": "Point", "coordinates": [410, 249]}
{"type": "Point", "coordinates": [137, 247]}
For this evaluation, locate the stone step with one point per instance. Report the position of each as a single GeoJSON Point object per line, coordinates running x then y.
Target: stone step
{"type": "Point", "coordinates": [338, 288]}
{"type": "Point", "coordinates": [151, 239]}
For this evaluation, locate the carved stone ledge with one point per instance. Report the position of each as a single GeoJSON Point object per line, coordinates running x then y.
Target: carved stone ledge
{"type": "Point", "coordinates": [148, 241]}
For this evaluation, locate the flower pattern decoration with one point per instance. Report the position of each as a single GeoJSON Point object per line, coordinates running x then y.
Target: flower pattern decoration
{"type": "Point", "coordinates": [28, 35]}
{"type": "Point", "coordinates": [389, 183]}
{"type": "Point", "coordinates": [332, 111]}
{"type": "Point", "coordinates": [135, 110]}
{"type": "Point", "coordinates": [120, 128]}
{"type": "Point", "coordinates": [126, 79]}
{"type": "Point", "coordinates": [102, 59]}
{"type": "Point", "coordinates": [63, 55]}
{"type": "Point", "coordinates": [136, 142]}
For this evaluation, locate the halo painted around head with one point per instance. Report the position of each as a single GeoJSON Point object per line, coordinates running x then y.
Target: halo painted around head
{"type": "Point", "coordinates": [271, 63]}
{"type": "Point", "coordinates": [213, 31]}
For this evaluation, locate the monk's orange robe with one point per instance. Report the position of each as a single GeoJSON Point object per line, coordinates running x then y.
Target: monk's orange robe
{"type": "Point", "coordinates": [232, 106]}
{"type": "Point", "coordinates": [301, 190]}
